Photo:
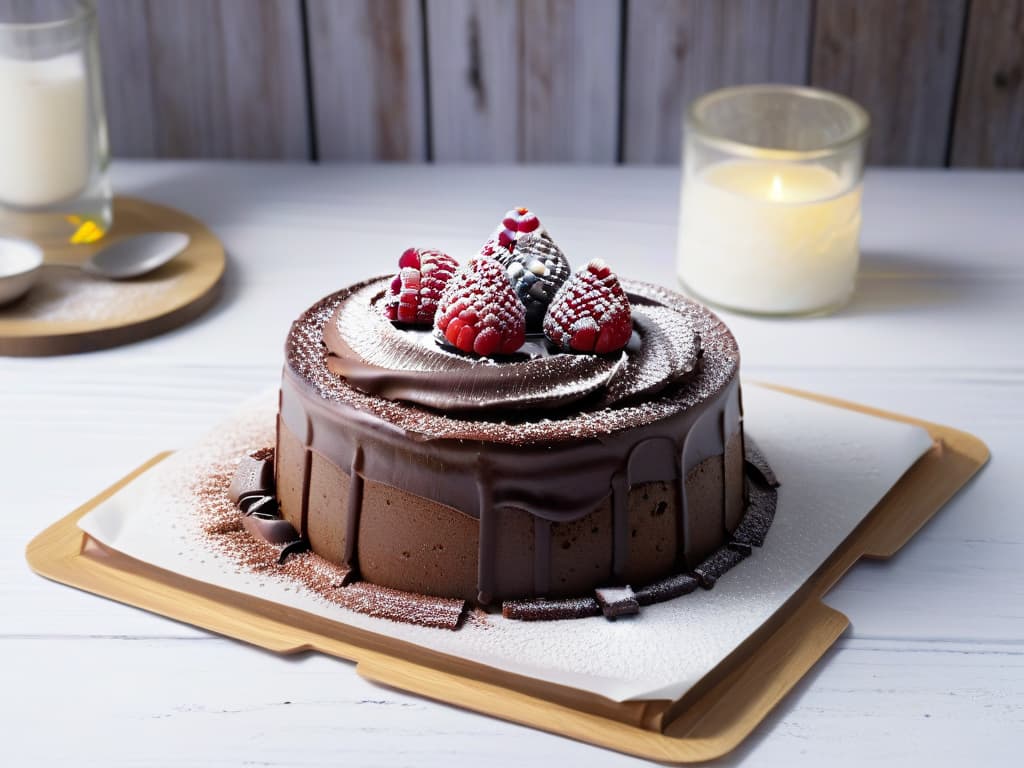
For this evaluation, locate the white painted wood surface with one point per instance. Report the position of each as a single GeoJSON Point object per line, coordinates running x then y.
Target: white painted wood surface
{"type": "Point", "coordinates": [931, 673]}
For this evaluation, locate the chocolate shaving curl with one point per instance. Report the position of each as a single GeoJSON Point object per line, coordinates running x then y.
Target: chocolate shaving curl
{"type": "Point", "coordinates": [254, 477]}
{"type": "Point", "coordinates": [271, 530]}
{"type": "Point", "coordinates": [292, 548]}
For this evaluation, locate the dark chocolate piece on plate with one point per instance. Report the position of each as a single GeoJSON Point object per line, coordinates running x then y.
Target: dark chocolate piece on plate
{"type": "Point", "coordinates": [254, 477]}
{"type": "Point", "coordinates": [757, 518]}
{"type": "Point", "coordinates": [293, 548]}
{"type": "Point", "coordinates": [667, 589]}
{"type": "Point", "coordinates": [271, 529]}
{"type": "Point", "coordinates": [617, 601]}
{"type": "Point", "coordinates": [346, 575]}
{"type": "Point", "coordinates": [755, 459]}
{"type": "Point", "coordinates": [712, 569]}
{"type": "Point", "coordinates": [260, 506]}
{"type": "Point", "coordinates": [543, 609]}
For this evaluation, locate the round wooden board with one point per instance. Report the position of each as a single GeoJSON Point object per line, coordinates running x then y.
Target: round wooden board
{"type": "Point", "coordinates": [68, 311]}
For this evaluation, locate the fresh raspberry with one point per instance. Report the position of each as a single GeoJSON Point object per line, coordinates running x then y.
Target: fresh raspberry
{"type": "Point", "coordinates": [479, 313]}
{"type": "Point", "coordinates": [590, 312]}
{"type": "Point", "coordinates": [492, 248]}
{"type": "Point", "coordinates": [537, 269]}
{"type": "Point", "coordinates": [422, 276]}
{"type": "Point", "coordinates": [516, 223]}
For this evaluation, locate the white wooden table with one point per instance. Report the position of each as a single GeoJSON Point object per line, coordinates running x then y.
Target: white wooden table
{"type": "Point", "coordinates": [931, 673]}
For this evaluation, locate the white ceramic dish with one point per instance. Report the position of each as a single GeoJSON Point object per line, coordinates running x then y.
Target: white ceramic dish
{"type": "Point", "coordinates": [20, 265]}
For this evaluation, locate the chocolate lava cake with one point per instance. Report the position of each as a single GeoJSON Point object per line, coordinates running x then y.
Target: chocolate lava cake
{"type": "Point", "coordinates": [509, 429]}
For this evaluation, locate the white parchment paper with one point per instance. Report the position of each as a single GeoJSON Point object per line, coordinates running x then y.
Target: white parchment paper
{"type": "Point", "coordinates": [834, 465]}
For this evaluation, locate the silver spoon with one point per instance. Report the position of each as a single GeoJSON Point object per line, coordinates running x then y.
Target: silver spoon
{"type": "Point", "coordinates": [136, 256]}
{"type": "Point", "coordinates": [21, 261]}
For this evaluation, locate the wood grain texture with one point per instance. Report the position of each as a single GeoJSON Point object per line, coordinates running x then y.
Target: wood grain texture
{"type": "Point", "coordinates": [369, 83]}
{"type": "Point", "coordinates": [131, 100]}
{"type": "Point", "coordinates": [989, 126]}
{"type": "Point", "coordinates": [899, 60]}
{"type": "Point", "coordinates": [223, 79]}
{"type": "Point", "coordinates": [557, 59]}
{"type": "Point", "coordinates": [227, 78]}
{"type": "Point", "coordinates": [473, 64]}
{"type": "Point", "coordinates": [679, 49]}
{"type": "Point", "coordinates": [569, 80]}
{"type": "Point", "coordinates": [206, 701]}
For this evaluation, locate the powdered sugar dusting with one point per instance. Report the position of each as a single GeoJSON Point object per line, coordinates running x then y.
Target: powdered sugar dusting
{"type": "Point", "coordinates": [418, 369]}
{"type": "Point", "coordinates": [719, 365]}
{"type": "Point", "coordinates": [669, 352]}
{"type": "Point", "coordinates": [65, 294]}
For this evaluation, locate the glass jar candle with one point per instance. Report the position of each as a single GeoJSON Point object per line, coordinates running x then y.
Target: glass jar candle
{"type": "Point", "coordinates": [771, 199]}
{"type": "Point", "coordinates": [53, 136]}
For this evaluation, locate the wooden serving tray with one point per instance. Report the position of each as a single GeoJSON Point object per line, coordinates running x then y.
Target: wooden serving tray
{"type": "Point", "coordinates": [706, 723]}
{"type": "Point", "coordinates": [191, 283]}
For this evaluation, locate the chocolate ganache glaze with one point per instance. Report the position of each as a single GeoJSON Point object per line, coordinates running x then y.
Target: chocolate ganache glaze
{"type": "Point", "coordinates": [406, 364]}
{"type": "Point", "coordinates": [541, 474]}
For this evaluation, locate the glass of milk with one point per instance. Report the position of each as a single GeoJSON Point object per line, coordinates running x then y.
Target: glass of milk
{"type": "Point", "coordinates": [771, 199]}
{"type": "Point", "coordinates": [53, 136]}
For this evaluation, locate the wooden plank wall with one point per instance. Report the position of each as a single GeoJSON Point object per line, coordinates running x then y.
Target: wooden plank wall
{"type": "Point", "coordinates": [679, 49]}
{"type": "Point", "coordinates": [558, 59]}
{"type": "Point", "coordinates": [196, 78]}
{"type": "Point", "coordinates": [989, 125]}
{"type": "Point", "coordinates": [591, 81]}
{"type": "Point", "coordinates": [899, 60]}
{"type": "Point", "coordinates": [367, 72]}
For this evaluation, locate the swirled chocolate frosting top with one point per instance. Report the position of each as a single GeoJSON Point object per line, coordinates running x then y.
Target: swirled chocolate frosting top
{"type": "Point", "coordinates": [680, 354]}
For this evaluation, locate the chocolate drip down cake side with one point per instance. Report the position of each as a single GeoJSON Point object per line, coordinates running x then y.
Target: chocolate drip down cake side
{"type": "Point", "coordinates": [512, 434]}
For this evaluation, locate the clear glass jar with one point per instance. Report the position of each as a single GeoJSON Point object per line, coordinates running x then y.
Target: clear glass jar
{"type": "Point", "coordinates": [771, 199]}
{"type": "Point", "coordinates": [53, 132]}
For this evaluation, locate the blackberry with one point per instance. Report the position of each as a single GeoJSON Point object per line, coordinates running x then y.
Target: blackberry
{"type": "Point", "coordinates": [537, 268]}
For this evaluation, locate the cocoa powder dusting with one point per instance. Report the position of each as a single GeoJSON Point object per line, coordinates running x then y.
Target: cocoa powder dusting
{"type": "Point", "coordinates": [221, 526]}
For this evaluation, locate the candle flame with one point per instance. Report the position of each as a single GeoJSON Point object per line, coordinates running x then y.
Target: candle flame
{"type": "Point", "coordinates": [776, 193]}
